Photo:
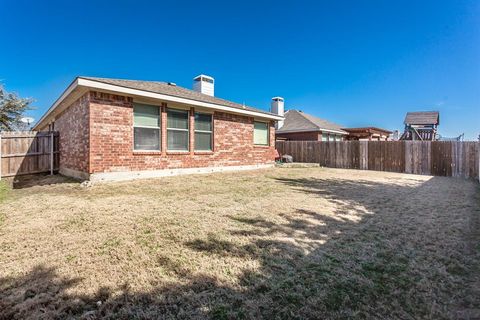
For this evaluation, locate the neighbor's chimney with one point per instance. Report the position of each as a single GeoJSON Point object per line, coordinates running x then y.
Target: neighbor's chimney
{"type": "Point", "coordinates": [204, 84]}
{"type": "Point", "coordinates": [277, 107]}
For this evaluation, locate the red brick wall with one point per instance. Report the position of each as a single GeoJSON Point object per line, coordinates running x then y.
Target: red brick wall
{"type": "Point", "coordinates": [72, 124]}
{"type": "Point", "coordinates": [111, 140]}
{"type": "Point", "coordinates": [301, 136]}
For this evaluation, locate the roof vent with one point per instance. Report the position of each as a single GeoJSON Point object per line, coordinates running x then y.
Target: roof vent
{"type": "Point", "coordinates": [204, 84]}
{"type": "Point", "coordinates": [173, 84]}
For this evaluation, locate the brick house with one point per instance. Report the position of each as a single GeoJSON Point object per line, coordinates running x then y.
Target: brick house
{"type": "Point", "coordinates": [298, 125]}
{"type": "Point", "coordinates": [113, 129]}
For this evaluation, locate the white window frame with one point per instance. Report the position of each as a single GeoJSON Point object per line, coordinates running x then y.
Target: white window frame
{"type": "Point", "coordinates": [176, 129]}
{"type": "Point", "coordinates": [159, 127]}
{"type": "Point", "coordinates": [204, 131]}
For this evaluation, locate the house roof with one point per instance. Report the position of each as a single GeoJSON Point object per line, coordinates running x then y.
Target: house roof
{"type": "Point", "coordinates": [367, 130]}
{"type": "Point", "coordinates": [422, 117]}
{"type": "Point", "coordinates": [298, 121]}
{"type": "Point", "coordinates": [164, 91]}
{"type": "Point", "coordinates": [171, 89]}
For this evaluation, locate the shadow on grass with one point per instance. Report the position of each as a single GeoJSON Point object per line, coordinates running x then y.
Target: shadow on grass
{"type": "Point", "coordinates": [39, 179]}
{"type": "Point", "coordinates": [401, 257]}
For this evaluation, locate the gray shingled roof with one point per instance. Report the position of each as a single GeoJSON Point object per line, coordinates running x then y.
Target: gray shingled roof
{"type": "Point", "coordinates": [298, 121]}
{"type": "Point", "coordinates": [173, 90]}
{"type": "Point", "coordinates": [422, 117]}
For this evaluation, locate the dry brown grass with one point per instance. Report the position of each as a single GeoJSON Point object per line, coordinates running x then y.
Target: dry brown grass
{"type": "Point", "coordinates": [281, 243]}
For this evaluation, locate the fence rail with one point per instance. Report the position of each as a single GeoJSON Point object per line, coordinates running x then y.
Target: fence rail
{"type": "Point", "coordinates": [439, 158]}
{"type": "Point", "coordinates": [27, 152]}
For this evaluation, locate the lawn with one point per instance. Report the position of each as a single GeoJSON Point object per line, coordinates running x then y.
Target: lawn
{"type": "Point", "coordinates": [306, 243]}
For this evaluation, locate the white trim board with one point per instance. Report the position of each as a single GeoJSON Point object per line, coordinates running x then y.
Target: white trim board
{"type": "Point", "coordinates": [57, 102]}
{"type": "Point", "coordinates": [97, 85]}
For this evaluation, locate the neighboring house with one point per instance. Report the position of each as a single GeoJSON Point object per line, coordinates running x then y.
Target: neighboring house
{"type": "Point", "coordinates": [368, 134]}
{"type": "Point", "coordinates": [421, 126]}
{"type": "Point", "coordinates": [113, 129]}
{"type": "Point", "coordinates": [298, 125]}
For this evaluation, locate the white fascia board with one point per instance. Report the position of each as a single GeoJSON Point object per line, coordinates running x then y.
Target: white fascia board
{"type": "Point", "coordinates": [91, 84]}
{"type": "Point", "coordinates": [65, 94]}
{"type": "Point", "coordinates": [136, 92]}
{"type": "Point", "coordinates": [310, 130]}
{"type": "Point", "coordinates": [335, 131]}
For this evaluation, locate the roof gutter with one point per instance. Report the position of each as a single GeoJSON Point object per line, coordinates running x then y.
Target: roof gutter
{"type": "Point", "coordinates": [91, 84]}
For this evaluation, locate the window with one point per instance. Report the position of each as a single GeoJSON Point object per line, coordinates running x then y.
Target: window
{"type": "Point", "coordinates": [146, 127]}
{"type": "Point", "coordinates": [260, 133]}
{"type": "Point", "coordinates": [324, 137]}
{"type": "Point", "coordinates": [203, 132]}
{"type": "Point", "coordinates": [177, 130]}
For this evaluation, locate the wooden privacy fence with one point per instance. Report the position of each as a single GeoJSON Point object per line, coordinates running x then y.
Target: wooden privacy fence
{"type": "Point", "coordinates": [439, 158]}
{"type": "Point", "coordinates": [27, 152]}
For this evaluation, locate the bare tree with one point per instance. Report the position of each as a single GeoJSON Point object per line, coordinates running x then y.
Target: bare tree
{"type": "Point", "coordinates": [12, 108]}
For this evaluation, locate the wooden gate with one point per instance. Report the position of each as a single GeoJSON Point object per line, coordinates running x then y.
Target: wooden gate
{"type": "Point", "coordinates": [27, 152]}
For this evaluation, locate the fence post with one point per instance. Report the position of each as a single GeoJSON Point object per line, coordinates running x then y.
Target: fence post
{"type": "Point", "coordinates": [363, 154]}
{"type": "Point", "coordinates": [51, 153]}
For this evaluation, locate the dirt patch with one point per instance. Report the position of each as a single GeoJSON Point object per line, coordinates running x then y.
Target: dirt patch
{"type": "Point", "coordinates": [32, 180]}
{"type": "Point", "coordinates": [280, 243]}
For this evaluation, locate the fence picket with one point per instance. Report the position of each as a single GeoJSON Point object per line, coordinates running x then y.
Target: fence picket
{"type": "Point", "coordinates": [444, 158]}
{"type": "Point", "coordinates": [28, 152]}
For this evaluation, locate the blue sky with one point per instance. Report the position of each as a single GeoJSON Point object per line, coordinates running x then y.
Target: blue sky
{"type": "Point", "coordinates": [357, 63]}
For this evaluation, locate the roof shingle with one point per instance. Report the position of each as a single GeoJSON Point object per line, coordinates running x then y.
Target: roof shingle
{"type": "Point", "coordinates": [173, 90]}
{"type": "Point", "coordinates": [298, 121]}
{"type": "Point", "coordinates": [422, 117]}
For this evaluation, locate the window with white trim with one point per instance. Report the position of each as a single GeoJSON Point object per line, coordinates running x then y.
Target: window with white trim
{"type": "Point", "coordinates": [177, 130]}
{"type": "Point", "coordinates": [146, 127]}
{"type": "Point", "coordinates": [260, 133]}
{"type": "Point", "coordinates": [203, 132]}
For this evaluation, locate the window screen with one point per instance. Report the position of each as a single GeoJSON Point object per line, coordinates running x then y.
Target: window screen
{"type": "Point", "coordinates": [203, 132]}
{"type": "Point", "coordinates": [146, 127]}
{"type": "Point", "coordinates": [177, 130]}
{"type": "Point", "coordinates": [260, 133]}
